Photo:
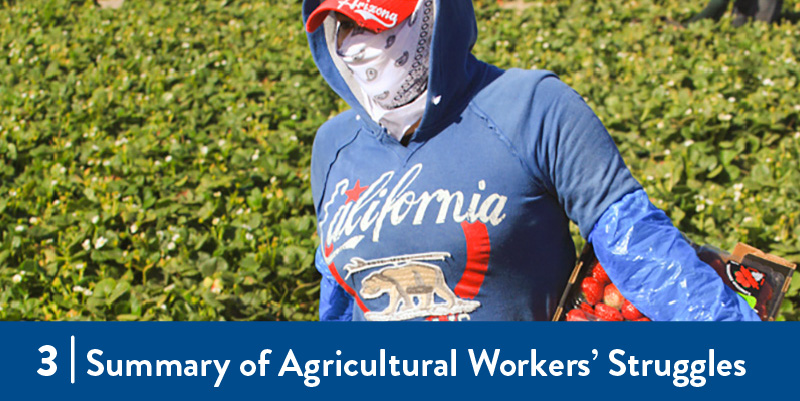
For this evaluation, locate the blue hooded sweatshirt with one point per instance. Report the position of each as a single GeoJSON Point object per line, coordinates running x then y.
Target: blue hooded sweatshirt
{"type": "Point", "coordinates": [470, 219]}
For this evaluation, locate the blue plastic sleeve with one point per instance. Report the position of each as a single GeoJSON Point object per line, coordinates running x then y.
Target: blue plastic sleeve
{"type": "Point", "coordinates": [655, 268]}
{"type": "Point", "coordinates": [334, 303]}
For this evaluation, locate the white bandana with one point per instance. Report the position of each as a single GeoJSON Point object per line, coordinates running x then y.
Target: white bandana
{"type": "Point", "coordinates": [391, 69]}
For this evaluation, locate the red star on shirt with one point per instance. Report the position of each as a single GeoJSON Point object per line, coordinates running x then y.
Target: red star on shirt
{"type": "Point", "coordinates": [355, 193]}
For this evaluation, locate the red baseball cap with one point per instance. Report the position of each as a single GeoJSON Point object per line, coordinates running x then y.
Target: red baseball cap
{"type": "Point", "coordinates": [374, 15]}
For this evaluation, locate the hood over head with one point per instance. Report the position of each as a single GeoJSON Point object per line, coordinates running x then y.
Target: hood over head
{"type": "Point", "coordinates": [454, 73]}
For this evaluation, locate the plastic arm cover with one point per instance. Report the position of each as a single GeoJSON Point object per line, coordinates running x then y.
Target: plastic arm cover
{"type": "Point", "coordinates": [334, 302]}
{"type": "Point", "coordinates": [656, 269]}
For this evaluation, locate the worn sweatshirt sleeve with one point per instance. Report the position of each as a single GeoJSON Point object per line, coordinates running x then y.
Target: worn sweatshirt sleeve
{"type": "Point", "coordinates": [575, 156]}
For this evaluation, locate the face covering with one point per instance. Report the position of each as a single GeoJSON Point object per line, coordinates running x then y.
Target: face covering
{"type": "Point", "coordinates": [391, 68]}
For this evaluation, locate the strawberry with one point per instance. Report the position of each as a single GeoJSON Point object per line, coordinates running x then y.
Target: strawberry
{"type": "Point", "coordinates": [612, 297]}
{"type": "Point", "coordinates": [629, 311]}
{"type": "Point", "coordinates": [600, 274]}
{"type": "Point", "coordinates": [576, 315]}
{"type": "Point", "coordinates": [607, 314]}
{"type": "Point", "coordinates": [644, 319]}
{"type": "Point", "coordinates": [587, 308]}
{"type": "Point", "coordinates": [592, 290]}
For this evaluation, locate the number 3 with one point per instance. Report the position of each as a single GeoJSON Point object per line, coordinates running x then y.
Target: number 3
{"type": "Point", "coordinates": [51, 370]}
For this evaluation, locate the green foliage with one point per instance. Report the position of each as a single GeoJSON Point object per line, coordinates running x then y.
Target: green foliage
{"type": "Point", "coordinates": [154, 159]}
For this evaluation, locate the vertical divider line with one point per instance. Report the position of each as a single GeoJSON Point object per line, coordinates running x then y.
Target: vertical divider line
{"type": "Point", "coordinates": [72, 360]}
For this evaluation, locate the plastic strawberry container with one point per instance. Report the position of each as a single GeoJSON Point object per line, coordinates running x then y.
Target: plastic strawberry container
{"type": "Point", "coordinates": [760, 278]}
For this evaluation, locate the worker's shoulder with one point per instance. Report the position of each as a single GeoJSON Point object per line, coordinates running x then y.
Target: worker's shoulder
{"type": "Point", "coordinates": [520, 84]}
{"type": "Point", "coordinates": [336, 133]}
{"type": "Point", "coordinates": [522, 97]}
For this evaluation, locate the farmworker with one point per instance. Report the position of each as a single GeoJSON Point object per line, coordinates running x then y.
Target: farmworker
{"type": "Point", "coordinates": [446, 191]}
{"type": "Point", "coordinates": [743, 11]}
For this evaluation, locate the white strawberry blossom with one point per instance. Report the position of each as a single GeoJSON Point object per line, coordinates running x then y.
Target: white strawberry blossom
{"type": "Point", "coordinates": [134, 228]}
{"type": "Point", "coordinates": [86, 244]}
{"type": "Point", "coordinates": [99, 242]}
{"type": "Point", "coordinates": [19, 228]}
{"type": "Point", "coordinates": [17, 278]}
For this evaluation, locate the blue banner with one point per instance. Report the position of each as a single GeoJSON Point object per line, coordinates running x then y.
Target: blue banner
{"type": "Point", "coordinates": [404, 361]}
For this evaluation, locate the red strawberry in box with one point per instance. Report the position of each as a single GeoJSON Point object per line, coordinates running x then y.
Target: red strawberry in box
{"type": "Point", "coordinates": [592, 290]}
{"type": "Point", "coordinates": [612, 297]}
{"type": "Point", "coordinates": [576, 315]}
{"type": "Point", "coordinates": [607, 313]}
{"type": "Point", "coordinates": [600, 274]}
{"type": "Point", "coordinates": [629, 312]}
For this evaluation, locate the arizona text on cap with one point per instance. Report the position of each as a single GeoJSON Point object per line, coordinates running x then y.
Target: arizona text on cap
{"type": "Point", "coordinates": [374, 15]}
